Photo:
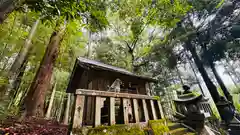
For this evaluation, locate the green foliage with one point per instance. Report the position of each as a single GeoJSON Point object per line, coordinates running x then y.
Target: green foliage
{"type": "Point", "coordinates": [116, 130]}
{"type": "Point", "coordinates": [236, 101]}
{"type": "Point", "coordinates": [220, 3]}
{"type": "Point", "coordinates": [215, 52]}
{"type": "Point", "coordinates": [3, 81]}
{"type": "Point", "coordinates": [215, 114]}
{"type": "Point", "coordinates": [142, 36]}
{"type": "Point", "coordinates": [158, 126]}
{"type": "Point", "coordinates": [113, 54]}
{"type": "Point", "coordinates": [220, 91]}
{"type": "Point", "coordinates": [157, 98]}
{"type": "Point", "coordinates": [72, 9]}
{"type": "Point", "coordinates": [131, 24]}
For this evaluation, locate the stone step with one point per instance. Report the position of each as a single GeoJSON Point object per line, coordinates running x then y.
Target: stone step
{"type": "Point", "coordinates": [173, 126]}
{"type": "Point", "coordinates": [190, 133]}
{"type": "Point", "coordinates": [179, 131]}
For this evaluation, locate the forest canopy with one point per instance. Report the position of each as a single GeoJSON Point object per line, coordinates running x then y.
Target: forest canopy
{"type": "Point", "coordinates": [40, 41]}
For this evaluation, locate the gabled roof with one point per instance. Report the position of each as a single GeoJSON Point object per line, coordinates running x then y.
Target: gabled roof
{"type": "Point", "coordinates": [99, 65]}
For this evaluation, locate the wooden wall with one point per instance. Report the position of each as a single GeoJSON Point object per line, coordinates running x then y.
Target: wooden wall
{"type": "Point", "coordinates": [100, 80]}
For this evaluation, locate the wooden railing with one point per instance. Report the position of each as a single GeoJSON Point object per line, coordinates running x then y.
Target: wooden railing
{"type": "Point", "coordinates": [150, 106]}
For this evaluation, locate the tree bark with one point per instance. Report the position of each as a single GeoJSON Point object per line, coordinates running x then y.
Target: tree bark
{"type": "Point", "coordinates": [36, 95]}
{"type": "Point", "coordinates": [20, 75]}
{"type": "Point", "coordinates": [195, 74]}
{"type": "Point", "coordinates": [21, 59]}
{"type": "Point", "coordinates": [220, 82]}
{"type": "Point", "coordinates": [211, 87]}
{"type": "Point", "coordinates": [6, 7]}
{"type": "Point", "coordinates": [59, 115]}
{"type": "Point", "coordinates": [66, 113]}
{"type": "Point", "coordinates": [17, 83]}
{"type": "Point", "coordinates": [48, 114]}
{"type": "Point", "coordinates": [89, 53]}
{"type": "Point", "coordinates": [22, 55]}
{"type": "Point", "coordinates": [179, 76]}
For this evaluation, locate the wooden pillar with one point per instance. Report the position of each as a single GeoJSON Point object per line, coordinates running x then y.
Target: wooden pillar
{"type": "Point", "coordinates": [153, 110]}
{"type": "Point", "coordinates": [148, 91]}
{"type": "Point", "coordinates": [125, 111]}
{"type": "Point", "coordinates": [145, 110]}
{"type": "Point", "coordinates": [97, 121]}
{"type": "Point", "coordinates": [78, 112]}
{"type": "Point", "coordinates": [160, 109]}
{"type": "Point", "coordinates": [111, 113]}
{"type": "Point", "coordinates": [135, 110]}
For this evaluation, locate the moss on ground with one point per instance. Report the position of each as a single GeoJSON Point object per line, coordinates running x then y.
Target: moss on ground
{"type": "Point", "coordinates": [158, 126]}
{"type": "Point", "coordinates": [112, 130]}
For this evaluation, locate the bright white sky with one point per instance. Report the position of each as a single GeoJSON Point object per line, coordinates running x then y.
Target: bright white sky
{"type": "Point", "coordinates": [220, 69]}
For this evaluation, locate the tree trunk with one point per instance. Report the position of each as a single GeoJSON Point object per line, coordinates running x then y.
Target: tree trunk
{"type": "Point", "coordinates": [211, 87]}
{"type": "Point", "coordinates": [22, 55]}
{"type": "Point", "coordinates": [66, 113]}
{"type": "Point", "coordinates": [20, 75]}
{"type": "Point", "coordinates": [48, 114]}
{"type": "Point", "coordinates": [17, 83]}
{"type": "Point", "coordinates": [89, 53]}
{"type": "Point", "coordinates": [3, 60]}
{"type": "Point", "coordinates": [179, 75]}
{"type": "Point", "coordinates": [36, 95]}
{"type": "Point", "coordinates": [220, 82]}
{"type": "Point", "coordinates": [6, 7]}
{"type": "Point", "coordinates": [59, 115]}
{"type": "Point", "coordinates": [21, 59]}
{"type": "Point", "coordinates": [195, 74]}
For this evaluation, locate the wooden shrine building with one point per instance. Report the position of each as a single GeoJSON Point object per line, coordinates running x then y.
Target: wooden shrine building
{"type": "Point", "coordinates": [99, 101]}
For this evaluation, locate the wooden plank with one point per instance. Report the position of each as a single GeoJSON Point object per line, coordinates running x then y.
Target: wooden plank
{"type": "Point", "coordinates": [78, 113]}
{"type": "Point", "coordinates": [160, 109]}
{"type": "Point", "coordinates": [125, 111]}
{"type": "Point", "coordinates": [135, 110]}
{"type": "Point", "coordinates": [97, 121]}
{"type": "Point", "coordinates": [153, 110]}
{"type": "Point", "coordinates": [112, 120]}
{"type": "Point", "coordinates": [111, 94]}
{"type": "Point", "coordinates": [145, 110]}
{"type": "Point", "coordinates": [89, 110]}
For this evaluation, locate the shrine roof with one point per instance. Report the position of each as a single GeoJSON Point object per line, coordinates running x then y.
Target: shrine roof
{"type": "Point", "coordinates": [93, 64]}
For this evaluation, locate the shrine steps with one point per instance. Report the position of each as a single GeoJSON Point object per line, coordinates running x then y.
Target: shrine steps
{"type": "Point", "coordinates": [178, 129]}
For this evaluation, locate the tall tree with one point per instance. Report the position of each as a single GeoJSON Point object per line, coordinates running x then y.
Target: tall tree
{"type": "Point", "coordinates": [38, 89]}
{"type": "Point", "coordinates": [195, 74]}
{"type": "Point", "coordinates": [209, 58]}
{"type": "Point", "coordinates": [67, 109]}
{"type": "Point", "coordinates": [21, 59]}
{"type": "Point", "coordinates": [35, 98]}
{"type": "Point", "coordinates": [211, 87]}
{"type": "Point", "coordinates": [133, 28]}
{"type": "Point", "coordinates": [49, 109]}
